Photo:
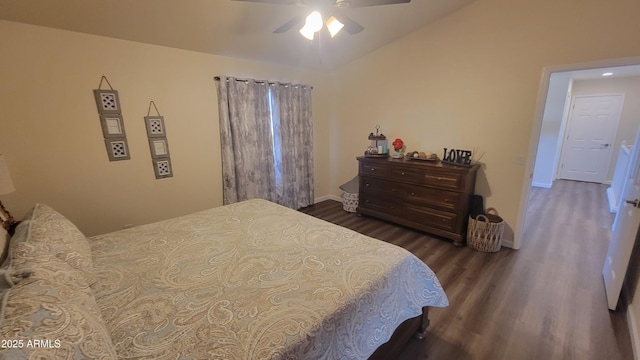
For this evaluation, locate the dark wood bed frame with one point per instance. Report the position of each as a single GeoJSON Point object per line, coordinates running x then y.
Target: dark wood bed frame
{"type": "Point", "coordinates": [416, 327]}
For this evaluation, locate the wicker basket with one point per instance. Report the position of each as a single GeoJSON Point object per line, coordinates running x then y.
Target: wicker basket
{"type": "Point", "coordinates": [485, 231]}
{"type": "Point", "coordinates": [350, 201]}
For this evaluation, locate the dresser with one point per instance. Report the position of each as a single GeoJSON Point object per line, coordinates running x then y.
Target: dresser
{"type": "Point", "coordinates": [425, 195]}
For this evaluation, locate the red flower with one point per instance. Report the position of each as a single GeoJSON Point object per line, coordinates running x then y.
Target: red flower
{"type": "Point", "coordinates": [398, 144]}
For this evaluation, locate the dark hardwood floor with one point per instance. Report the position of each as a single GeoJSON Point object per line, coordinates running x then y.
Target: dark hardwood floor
{"type": "Point", "coordinates": [544, 301]}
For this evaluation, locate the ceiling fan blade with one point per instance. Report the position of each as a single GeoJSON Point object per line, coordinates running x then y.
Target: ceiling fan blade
{"type": "Point", "coordinates": [367, 3]}
{"type": "Point", "coordinates": [275, 2]}
{"type": "Point", "coordinates": [350, 26]}
{"type": "Point", "coordinates": [288, 25]}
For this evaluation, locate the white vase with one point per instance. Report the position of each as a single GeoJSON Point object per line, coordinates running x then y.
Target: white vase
{"type": "Point", "coordinates": [397, 154]}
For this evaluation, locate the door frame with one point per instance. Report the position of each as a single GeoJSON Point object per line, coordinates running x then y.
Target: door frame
{"type": "Point", "coordinates": [567, 127]}
{"type": "Point", "coordinates": [536, 127]}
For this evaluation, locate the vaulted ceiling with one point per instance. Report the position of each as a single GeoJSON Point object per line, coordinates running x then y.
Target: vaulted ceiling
{"type": "Point", "coordinates": [232, 28]}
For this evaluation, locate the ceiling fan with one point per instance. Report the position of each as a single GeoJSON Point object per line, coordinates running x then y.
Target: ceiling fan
{"type": "Point", "coordinates": [314, 21]}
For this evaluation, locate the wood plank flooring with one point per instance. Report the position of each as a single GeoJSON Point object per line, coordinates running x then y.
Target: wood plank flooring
{"type": "Point", "coordinates": [544, 301]}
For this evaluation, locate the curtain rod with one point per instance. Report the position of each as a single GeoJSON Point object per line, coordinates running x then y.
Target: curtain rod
{"type": "Point", "coordinates": [217, 78]}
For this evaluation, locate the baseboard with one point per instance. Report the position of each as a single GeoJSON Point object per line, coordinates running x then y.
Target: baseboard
{"type": "Point", "coordinates": [633, 331]}
{"type": "Point", "coordinates": [507, 243]}
{"type": "Point", "coordinates": [327, 197]}
{"type": "Point", "coordinates": [542, 185]}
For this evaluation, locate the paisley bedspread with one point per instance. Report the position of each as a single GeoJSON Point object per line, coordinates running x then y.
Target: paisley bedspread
{"type": "Point", "coordinates": [254, 280]}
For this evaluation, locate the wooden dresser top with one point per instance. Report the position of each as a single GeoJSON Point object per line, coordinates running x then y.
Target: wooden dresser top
{"type": "Point", "coordinates": [418, 163]}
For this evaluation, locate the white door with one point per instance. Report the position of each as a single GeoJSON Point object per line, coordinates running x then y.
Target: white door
{"type": "Point", "coordinates": [591, 132]}
{"type": "Point", "coordinates": [627, 224]}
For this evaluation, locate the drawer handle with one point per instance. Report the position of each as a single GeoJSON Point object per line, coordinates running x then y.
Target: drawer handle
{"type": "Point", "coordinates": [373, 169]}
{"type": "Point", "coordinates": [403, 173]}
{"type": "Point", "coordinates": [412, 194]}
{"type": "Point", "coordinates": [367, 184]}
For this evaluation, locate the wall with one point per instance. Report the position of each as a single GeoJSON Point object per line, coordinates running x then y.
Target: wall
{"type": "Point", "coordinates": [51, 137]}
{"type": "Point", "coordinates": [471, 81]}
{"type": "Point", "coordinates": [548, 144]}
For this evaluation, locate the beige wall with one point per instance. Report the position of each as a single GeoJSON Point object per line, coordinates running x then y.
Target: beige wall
{"type": "Point", "coordinates": [468, 81]}
{"type": "Point", "coordinates": [50, 131]}
{"type": "Point", "coordinates": [471, 81]}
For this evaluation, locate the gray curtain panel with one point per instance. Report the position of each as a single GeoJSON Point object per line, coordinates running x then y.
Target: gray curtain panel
{"type": "Point", "coordinates": [266, 132]}
{"type": "Point", "coordinates": [245, 134]}
{"type": "Point", "coordinates": [295, 128]}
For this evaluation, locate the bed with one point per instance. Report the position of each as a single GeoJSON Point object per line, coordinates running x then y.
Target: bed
{"type": "Point", "coordinates": [251, 280]}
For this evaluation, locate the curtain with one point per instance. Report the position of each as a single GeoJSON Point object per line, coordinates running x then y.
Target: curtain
{"type": "Point", "coordinates": [266, 132]}
{"type": "Point", "coordinates": [292, 105]}
{"type": "Point", "coordinates": [248, 170]}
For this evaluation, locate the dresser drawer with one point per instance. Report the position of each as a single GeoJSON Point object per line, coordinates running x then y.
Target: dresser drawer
{"type": "Point", "coordinates": [372, 169]}
{"type": "Point", "coordinates": [374, 201]}
{"type": "Point", "coordinates": [431, 217]}
{"type": "Point", "coordinates": [444, 180]}
{"type": "Point", "coordinates": [406, 174]}
{"type": "Point", "coordinates": [447, 200]}
{"type": "Point", "coordinates": [381, 186]}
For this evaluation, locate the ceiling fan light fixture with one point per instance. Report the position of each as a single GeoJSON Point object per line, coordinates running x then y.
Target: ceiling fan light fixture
{"type": "Point", "coordinates": [307, 32]}
{"type": "Point", "coordinates": [334, 26]}
{"type": "Point", "coordinates": [314, 21]}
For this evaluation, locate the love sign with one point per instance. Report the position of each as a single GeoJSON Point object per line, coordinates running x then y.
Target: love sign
{"type": "Point", "coordinates": [457, 157]}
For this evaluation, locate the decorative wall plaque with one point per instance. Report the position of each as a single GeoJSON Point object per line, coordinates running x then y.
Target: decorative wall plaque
{"type": "Point", "coordinates": [107, 101]}
{"type": "Point", "coordinates": [155, 126]}
{"type": "Point", "coordinates": [159, 148]}
{"type": "Point", "coordinates": [117, 149]}
{"type": "Point", "coordinates": [112, 126]}
{"type": "Point", "coordinates": [162, 168]}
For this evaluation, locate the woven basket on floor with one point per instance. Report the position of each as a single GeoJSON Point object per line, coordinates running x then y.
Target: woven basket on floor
{"type": "Point", "coordinates": [484, 233]}
{"type": "Point", "coordinates": [350, 202]}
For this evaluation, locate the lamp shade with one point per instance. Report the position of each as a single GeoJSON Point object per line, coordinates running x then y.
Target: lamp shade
{"type": "Point", "coordinates": [334, 26]}
{"type": "Point", "coordinates": [307, 32]}
{"type": "Point", "coordinates": [6, 184]}
{"type": "Point", "coordinates": [314, 21]}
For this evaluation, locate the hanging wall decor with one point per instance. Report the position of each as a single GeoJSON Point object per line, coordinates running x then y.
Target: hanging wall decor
{"type": "Point", "coordinates": [117, 149]}
{"type": "Point", "coordinates": [115, 137]}
{"type": "Point", "coordinates": [158, 143]}
{"type": "Point", "coordinates": [112, 126]}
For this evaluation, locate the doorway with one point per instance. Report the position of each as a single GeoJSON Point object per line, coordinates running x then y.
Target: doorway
{"type": "Point", "coordinates": [547, 140]}
{"type": "Point", "coordinates": [591, 132]}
